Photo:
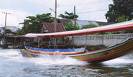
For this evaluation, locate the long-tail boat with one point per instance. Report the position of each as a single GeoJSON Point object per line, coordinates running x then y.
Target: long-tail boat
{"type": "Point", "coordinates": [82, 53]}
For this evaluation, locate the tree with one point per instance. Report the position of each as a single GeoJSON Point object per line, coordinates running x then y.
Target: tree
{"type": "Point", "coordinates": [120, 10]}
{"type": "Point", "coordinates": [68, 16]}
{"type": "Point", "coordinates": [32, 24]}
{"type": "Point", "coordinates": [89, 26]}
{"type": "Point", "coordinates": [70, 26]}
{"type": "Point", "coordinates": [9, 31]}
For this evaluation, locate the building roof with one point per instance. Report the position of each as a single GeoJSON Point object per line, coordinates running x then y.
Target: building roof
{"type": "Point", "coordinates": [50, 27]}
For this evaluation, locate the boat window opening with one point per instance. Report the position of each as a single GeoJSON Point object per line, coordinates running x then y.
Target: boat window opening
{"type": "Point", "coordinates": [49, 42]}
{"type": "Point", "coordinates": [73, 42]}
{"type": "Point", "coordinates": [85, 42]}
{"type": "Point", "coordinates": [38, 40]}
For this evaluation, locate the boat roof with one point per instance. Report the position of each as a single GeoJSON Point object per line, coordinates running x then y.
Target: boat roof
{"type": "Point", "coordinates": [128, 25]}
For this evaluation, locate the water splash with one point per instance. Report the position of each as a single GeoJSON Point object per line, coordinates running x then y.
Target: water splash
{"type": "Point", "coordinates": [56, 60]}
{"type": "Point", "coordinates": [15, 65]}
{"type": "Point", "coordinates": [15, 55]}
{"type": "Point", "coordinates": [9, 53]}
{"type": "Point", "coordinates": [119, 62]}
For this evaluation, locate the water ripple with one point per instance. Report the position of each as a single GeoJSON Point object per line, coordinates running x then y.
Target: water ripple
{"type": "Point", "coordinates": [14, 65]}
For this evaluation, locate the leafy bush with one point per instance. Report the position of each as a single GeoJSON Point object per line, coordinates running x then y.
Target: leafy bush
{"type": "Point", "coordinates": [70, 26]}
{"type": "Point", "coordinates": [89, 26]}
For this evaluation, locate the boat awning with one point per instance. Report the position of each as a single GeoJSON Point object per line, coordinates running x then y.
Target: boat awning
{"type": "Point", "coordinates": [108, 28]}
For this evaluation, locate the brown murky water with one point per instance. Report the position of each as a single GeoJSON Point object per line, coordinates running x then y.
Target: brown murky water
{"type": "Point", "coordinates": [14, 65]}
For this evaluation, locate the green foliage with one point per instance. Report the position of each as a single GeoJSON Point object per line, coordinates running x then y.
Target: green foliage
{"type": "Point", "coordinates": [122, 18]}
{"type": "Point", "coordinates": [68, 16]}
{"type": "Point", "coordinates": [89, 26]}
{"type": "Point", "coordinates": [19, 32]}
{"type": "Point", "coordinates": [8, 31]}
{"type": "Point", "coordinates": [128, 31]}
{"type": "Point", "coordinates": [120, 10]}
{"type": "Point", "coordinates": [32, 24]}
{"type": "Point", "coordinates": [70, 26]}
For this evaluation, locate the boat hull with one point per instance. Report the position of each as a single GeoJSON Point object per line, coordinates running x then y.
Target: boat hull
{"type": "Point", "coordinates": [107, 54]}
{"type": "Point", "coordinates": [95, 56]}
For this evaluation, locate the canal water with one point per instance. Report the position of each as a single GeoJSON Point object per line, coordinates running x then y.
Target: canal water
{"type": "Point", "coordinates": [12, 64]}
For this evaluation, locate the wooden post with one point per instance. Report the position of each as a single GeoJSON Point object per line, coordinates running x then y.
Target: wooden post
{"type": "Point", "coordinates": [38, 40]}
{"type": "Point", "coordinates": [4, 37]}
{"type": "Point", "coordinates": [55, 22]}
{"type": "Point", "coordinates": [74, 16]}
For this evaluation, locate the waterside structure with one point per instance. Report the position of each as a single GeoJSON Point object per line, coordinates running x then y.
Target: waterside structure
{"type": "Point", "coordinates": [91, 40]}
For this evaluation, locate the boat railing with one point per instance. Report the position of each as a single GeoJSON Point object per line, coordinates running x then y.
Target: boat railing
{"type": "Point", "coordinates": [106, 39]}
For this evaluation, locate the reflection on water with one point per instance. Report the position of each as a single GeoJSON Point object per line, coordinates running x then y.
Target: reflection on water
{"type": "Point", "coordinates": [14, 65]}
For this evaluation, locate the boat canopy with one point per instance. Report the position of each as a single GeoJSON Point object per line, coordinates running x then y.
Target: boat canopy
{"type": "Point", "coordinates": [128, 25]}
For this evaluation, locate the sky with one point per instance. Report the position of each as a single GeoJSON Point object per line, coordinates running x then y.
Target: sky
{"type": "Point", "coordinates": [18, 10]}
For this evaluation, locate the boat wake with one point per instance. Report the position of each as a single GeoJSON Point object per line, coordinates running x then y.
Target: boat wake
{"type": "Point", "coordinates": [120, 62]}
{"type": "Point", "coordinates": [15, 55]}
{"type": "Point", "coordinates": [12, 55]}
{"type": "Point", "coordinates": [56, 60]}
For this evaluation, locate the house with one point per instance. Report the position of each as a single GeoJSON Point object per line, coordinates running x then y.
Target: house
{"type": "Point", "coordinates": [50, 27]}
{"type": "Point", "coordinates": [1, 29]}
{"type": "Point", "coordinates": [12, 28]}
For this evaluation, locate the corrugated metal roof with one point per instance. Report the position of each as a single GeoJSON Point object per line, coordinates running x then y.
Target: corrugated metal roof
{"type": "Point", "coordinates": [50, 27]}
